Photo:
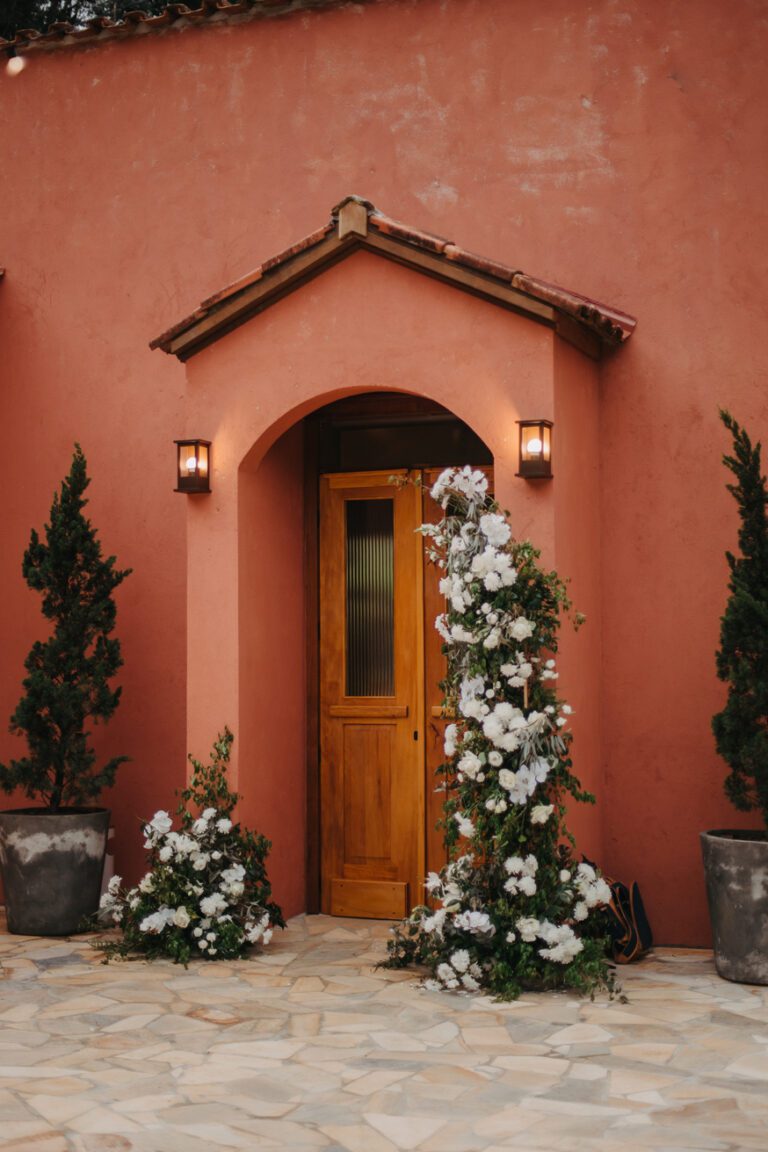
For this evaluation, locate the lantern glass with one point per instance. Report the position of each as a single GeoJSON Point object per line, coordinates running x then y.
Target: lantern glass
{"type": "Point", "coordinates": [535, 449]}
{"type": "Point", "coordinates": [193, 465]}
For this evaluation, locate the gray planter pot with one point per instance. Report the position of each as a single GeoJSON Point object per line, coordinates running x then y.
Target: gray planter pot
{"type": "Point", "coordinates": [736, 872]}
{"type": "Point", "coordinates": [52, 865]}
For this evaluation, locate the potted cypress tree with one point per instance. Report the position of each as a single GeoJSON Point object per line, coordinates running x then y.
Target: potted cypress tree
{"type": "Point", "coordinates": [52, 855]}
{"type": "Point", "coordinates": [736, 862]}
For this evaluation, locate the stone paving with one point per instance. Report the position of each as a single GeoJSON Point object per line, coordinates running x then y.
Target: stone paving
{"type": "Point", "coordinates": [309, 1046]}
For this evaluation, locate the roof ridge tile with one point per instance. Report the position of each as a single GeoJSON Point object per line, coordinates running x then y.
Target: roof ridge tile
{"type": "Point", "coordinates": [390, 227]}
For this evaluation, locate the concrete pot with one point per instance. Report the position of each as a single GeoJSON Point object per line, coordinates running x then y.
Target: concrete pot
{"type": "Point", "coordinates": [736, 872]}
{"type": "Point", "coordinates": [52, 866]}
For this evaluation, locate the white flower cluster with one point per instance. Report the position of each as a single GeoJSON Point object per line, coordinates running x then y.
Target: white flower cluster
{"type": "Point", "coordinates": [506, 762]}
{"type": "Point", "coordinates": [458, 973]}
{"type": "Point", "coordinates": [504, 724]}
{"type": "Point", "coordinates": [521, 784]}
{"type": "Point", "coordinates": [198, 865]}
{"type": "Point", "coordinates": [591, 891]}
{"type": "Point", "coordinates": [561, 944]}
{"type": "Point", "coordinates": [472, 484]}
{"type": "Point", "coordinates": [449, 887]}
{"type": "Point", "coordinates": [522, 875]}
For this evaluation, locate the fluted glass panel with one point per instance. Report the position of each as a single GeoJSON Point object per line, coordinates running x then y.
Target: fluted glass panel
{"type": "Point", "coordinates": [370, 598]}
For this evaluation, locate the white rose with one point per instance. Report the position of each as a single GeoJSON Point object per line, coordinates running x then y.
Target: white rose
{"type": "Point", "coordinates": [522, 628]}
{"type": "Point", "coordinates": [540, 813]}
{"type": "Point", "coordinates": [181, 917]}
{"type": "Point", "coordinates": [528, 927]}
{"type": "Point", "coordinates": [161, 822]}
{"type": "Point", "coordinates": [460, 960]}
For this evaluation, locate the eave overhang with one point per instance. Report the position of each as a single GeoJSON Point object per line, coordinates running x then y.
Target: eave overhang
{"type": "Point", "coordinates": [357, 224]}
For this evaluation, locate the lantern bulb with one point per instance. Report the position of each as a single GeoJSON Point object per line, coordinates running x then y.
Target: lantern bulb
{"type": "Point", "coordinates": [534, 446]}
{"type": "Point", "coordinates": [191, 463]}
{"type": "Point", "coordinates": [15, 65]}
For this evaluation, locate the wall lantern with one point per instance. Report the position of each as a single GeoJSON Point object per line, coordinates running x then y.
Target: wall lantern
{"type": "Point", "coordinates": [193, 465]}
{"type": "Point", "coordinates": [535, 449]}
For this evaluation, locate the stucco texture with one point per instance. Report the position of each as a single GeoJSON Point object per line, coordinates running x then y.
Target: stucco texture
{"type": "Point", "coordinates": [615, 148]}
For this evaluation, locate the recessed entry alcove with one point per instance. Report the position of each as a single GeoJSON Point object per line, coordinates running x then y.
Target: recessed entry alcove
{"type": "Point", "coordinates": [369, 351]}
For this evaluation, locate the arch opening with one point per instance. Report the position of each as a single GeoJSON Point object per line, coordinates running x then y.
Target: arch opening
{"type": "Point", "coordinates": [280, 556]}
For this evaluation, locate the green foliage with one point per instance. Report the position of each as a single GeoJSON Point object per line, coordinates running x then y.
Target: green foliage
{"type": "Point", "coordinates": [206, 892]}
{"type": "Point", "coordinates": [68, 674]}
{"type": "Point", "coordinates": [513, 909]}
{"type": "Point", "coordinates": [741, 729]}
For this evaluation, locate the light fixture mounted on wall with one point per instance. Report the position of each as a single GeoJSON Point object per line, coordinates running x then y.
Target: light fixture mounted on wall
{"type": "Point", "coordinates": [193, 465]}
{"type": "Point", "coordinates": [535, 449]}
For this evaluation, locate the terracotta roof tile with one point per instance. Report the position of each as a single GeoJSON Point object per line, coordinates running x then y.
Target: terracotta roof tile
{"type": "Point", "coordinates": [101, 28]}
{"type": "Point", "coordinates": [244, 282]}
{"type": "Point", "coordinates": [301, 245]}
{"type": "Point", "coordinates": [256, 274]}
{"type": "Point", "coordinates": [403, 232]}
{"type": "Point", "coordinates": [617, 324]}
{"type": "Point", "coordinates": [439, 257]}
{"type": "Point", "coordinates": [479, 263]}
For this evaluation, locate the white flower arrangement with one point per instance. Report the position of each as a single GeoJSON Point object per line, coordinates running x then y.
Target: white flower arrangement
{"type": "Point", "coordinates": [206, 892]}
{"type": "Point", "coordinates": [514, 910]}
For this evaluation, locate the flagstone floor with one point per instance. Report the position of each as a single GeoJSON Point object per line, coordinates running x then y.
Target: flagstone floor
{"type": "Point", "coordinates": [310, 1047]}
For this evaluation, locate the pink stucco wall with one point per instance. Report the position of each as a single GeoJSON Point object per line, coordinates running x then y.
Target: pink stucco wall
{"type": "Point", "coordinates": [614, 148]}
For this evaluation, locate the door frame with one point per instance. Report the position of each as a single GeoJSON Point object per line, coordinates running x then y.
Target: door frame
{"type": "Point", "coordinates": [312, 472]}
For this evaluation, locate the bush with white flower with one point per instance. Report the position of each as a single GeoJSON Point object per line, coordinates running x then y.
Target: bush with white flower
{"type": "Point", "coordinates": [206, 891]}
{"type": "Point", "coordinates": [513, 909]}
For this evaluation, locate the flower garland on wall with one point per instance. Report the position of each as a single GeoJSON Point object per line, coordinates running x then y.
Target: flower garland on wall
{"type": "Point", "coordinates": [206, 891]}
{"type": "Point", "coordinates": [513, 910]}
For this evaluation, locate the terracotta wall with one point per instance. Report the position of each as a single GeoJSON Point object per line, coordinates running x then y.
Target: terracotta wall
{"type": "Point", "coordinates": [615, 148]}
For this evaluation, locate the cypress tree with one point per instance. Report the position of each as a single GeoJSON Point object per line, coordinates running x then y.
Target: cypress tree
{"type": "Point", "coordinates": [68, 674]}
{"type": "Point", "coordinates": [741, 729]}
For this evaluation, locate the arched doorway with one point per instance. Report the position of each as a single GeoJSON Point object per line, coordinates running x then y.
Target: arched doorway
{"type": "Point", "coordinates": [376, 739]}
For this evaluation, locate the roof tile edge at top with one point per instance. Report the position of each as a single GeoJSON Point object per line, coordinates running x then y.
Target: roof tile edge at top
{"type": "Point", "coordinates": [250, 293]}
{"type": "Point", "coordinates": [100, 29]}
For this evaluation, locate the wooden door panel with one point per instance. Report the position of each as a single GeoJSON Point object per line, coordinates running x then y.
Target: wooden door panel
{"type": "Point", "coordinates": [371, 762]}
{"type": "Point", "coordinates": [369, 899]}
{"type": "Point", "coordinates": [367, 758]}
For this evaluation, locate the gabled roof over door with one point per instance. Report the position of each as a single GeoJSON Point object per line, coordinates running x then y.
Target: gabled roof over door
{"type": "Point", "coordinates": [357, 224]}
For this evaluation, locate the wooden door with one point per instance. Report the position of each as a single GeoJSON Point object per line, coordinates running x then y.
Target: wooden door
{"type": "Point", "coordinates": [371, 695]}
